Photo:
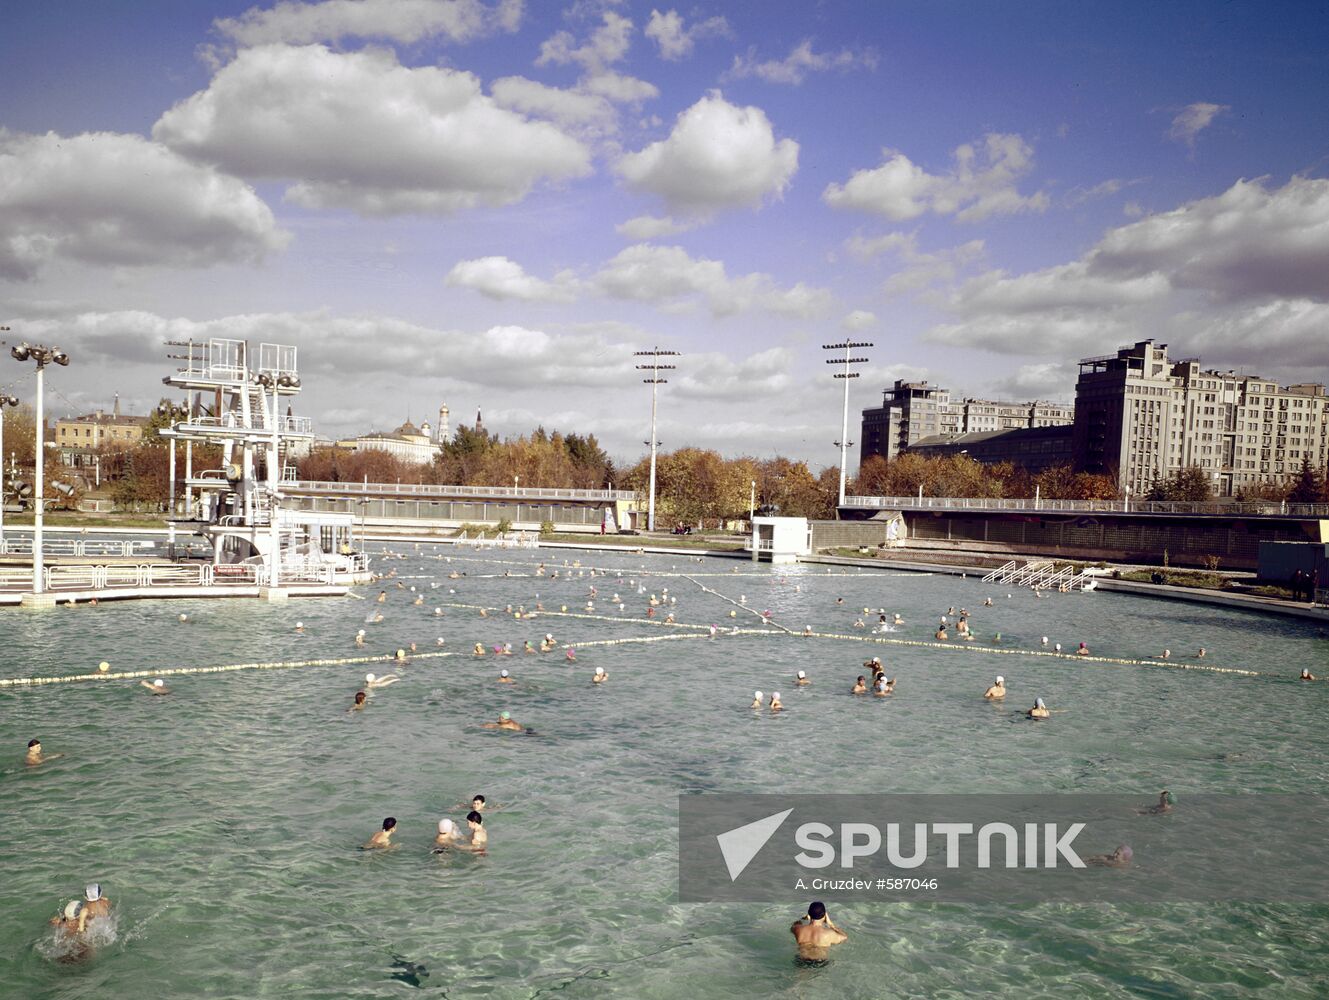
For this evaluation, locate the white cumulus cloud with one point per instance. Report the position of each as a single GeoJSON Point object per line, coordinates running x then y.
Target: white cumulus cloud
{"type": "Point", "coordinates": [981, 182]}
{"type": "Point", "coordinates": [596, 55]}
{"type": "Point", "coordinates": [399, 20]}
{"type": "Point", "coordinates": [801, 61]}
{"type": "Point", "coordinates": [649, 227]}
{"type": "Point", "coordinates": [360, 131]}
{"type": "Point", "coordinates": [669, 276]}
{"type": "Point", "coordinates": [1194, 119]}
{"type": "Point", "coordinates": [677, 40]}
{"type": "Point", "coordinates": [1237, 278]}
{"type": "Point", "coordinates": [501, 278]}
{"type": "Point", "coordinates": [119, 200]}
{"type": "Point", "coordinates": [718, 155]}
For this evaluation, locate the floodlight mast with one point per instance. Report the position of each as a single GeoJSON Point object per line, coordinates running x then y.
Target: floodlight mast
{"type": "Point", "coordinates": [847, 346]}
{"type": "Point", "coordinates": [42, 356]}
{"type": "Point", "coordinates": [654, 367]}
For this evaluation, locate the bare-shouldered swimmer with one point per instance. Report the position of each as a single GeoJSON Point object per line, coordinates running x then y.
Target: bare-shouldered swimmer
{"type": "Point", "coordinates": [383, 837]}
{"type": "Point", "coordinates": [997, 690]}
{"type": "Point", "coordinates": [816, 934]}
{"type": "Point", "coordinates": [479, 835]}
{"type": "Point", "coordinates": [35, 756]}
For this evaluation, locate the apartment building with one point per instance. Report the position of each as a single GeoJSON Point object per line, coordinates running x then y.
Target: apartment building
{"type": "Point", "coordinates": [1140, 416]}
{"type": "Point", "coordinates": [914, 411]}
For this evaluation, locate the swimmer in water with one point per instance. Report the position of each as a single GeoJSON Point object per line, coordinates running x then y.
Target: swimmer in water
{"type": "Point", "coordinates": [897, 620]}
{"type": "Point", "coordinates": [987, 602]}
{"type": "Point", "coordinates": [998, 689]}
{"type": "Point", "coordinates": [1119, 858]}
{"type": "Point", "coordinates": [504, 678]}
{"type": "Point", "coordinates": [383, 837]}
{"type": "Point", "coordinates": [505, 721]}
{"type": "Point", "coordinates": [300, 626]}
{"type": "Point", "coordinates": [599, 677]}
{"type": "Point", "coordinates": [1167, 655]}
{"type": "Point", "coordinates": [479, 835]}
{"type": "Point", "coordinates": [95, 905]}
{"type": "Point", "coordinates": [801, 678]}
{"type": "Point", "coordinates": [35, 755]}
{"type": "Point", "coordinates": [69, 925]}
{"type": "Point", "coordinates": [360, 638]}
{"type": "Point", "coordinates": [360, 701]}
{"type": "Point", "coordinates": [382, 596]}
{"type": "Point", "coordinates": [816, 934]}
{"type": "Point", "coordinates": [757, 701]}
{"type": "Point", "coordinates": [1039, 711]}
{"type": "Point", "coordinates": [528, 648]}
{"type": "Point", "coordinates": [776, 704]}
{"type": "Point", "coordinates": [860, 685]}
{"type": "Point", "coordinates": [479, 650]}
{"type": "Point", "coordinates": [1306, 675]}
{"type": "Point", "coordinates": [1163, 805]}
{"type": "Point", "coordinates": [570, 655]}
{"type": "Point", "coordinates": [941, 633]}
{"type": "Point", "coordinates": [1082, 651]}
{"type": "Point", "coordinates": [1200, 654]}
{"type": "Point", "coordinates": [156, 687]}
{"type": "Point", "coordinates": [372, 681]}
{"type": "Point", "coordinates": [448, 835]}
{"type": "Point", "coordinates": [883, 687]}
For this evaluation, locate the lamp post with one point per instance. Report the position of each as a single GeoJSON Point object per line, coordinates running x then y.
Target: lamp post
{"type": "Point", "coordinates": [654, 367]}
{"type": "Point", "coordinates": [4, 401]}
{"type": "Point", "coordinates": [847, 346]}
{"type": "Point", "coordinates": [43, 356]}
{"type": "Point", "coordinates": [752, 504]}
{"type": "Point", "coordinates": [172, 413]}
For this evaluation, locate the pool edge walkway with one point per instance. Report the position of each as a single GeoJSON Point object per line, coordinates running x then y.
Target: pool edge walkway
{"type": "Point", "coordinates": [1247, 602]}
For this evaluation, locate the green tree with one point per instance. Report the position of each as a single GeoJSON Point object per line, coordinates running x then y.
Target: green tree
{"type": "Point", "coordinates": [1307, 487]}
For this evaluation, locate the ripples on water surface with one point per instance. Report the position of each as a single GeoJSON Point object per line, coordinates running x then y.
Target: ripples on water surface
{"type": "Point", "coordinates": [224, 820]}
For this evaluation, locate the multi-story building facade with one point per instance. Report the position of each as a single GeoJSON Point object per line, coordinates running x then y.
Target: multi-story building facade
{"type": "Point", "coordinates": [1140, 417]}
{"type": "Point", "coordinates": [914, 411]}
{"type": "Point", "coordinates": [81, 439]}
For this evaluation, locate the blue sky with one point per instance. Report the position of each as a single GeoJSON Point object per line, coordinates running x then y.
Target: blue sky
{"type": "Point", "coordinates": [492, 204]}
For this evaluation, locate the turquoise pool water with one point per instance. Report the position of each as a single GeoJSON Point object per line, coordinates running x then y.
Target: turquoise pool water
{"type": "Point", "coordinates": [225, 819]}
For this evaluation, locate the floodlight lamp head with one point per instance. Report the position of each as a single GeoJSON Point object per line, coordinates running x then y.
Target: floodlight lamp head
{"type": "Point", "coordinates": [60, 358]}
{"type": "Point", "coordinates": [20, 352]}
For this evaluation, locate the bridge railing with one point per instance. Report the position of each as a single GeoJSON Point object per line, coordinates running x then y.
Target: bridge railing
{"type": "Point", "coordinates": [1212, 508]}
{"type": "Point", "coordinates": [437, 490]}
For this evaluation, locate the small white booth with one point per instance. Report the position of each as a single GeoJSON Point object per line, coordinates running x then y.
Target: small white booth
{"type": "Point", "coordinates": [781, 539]}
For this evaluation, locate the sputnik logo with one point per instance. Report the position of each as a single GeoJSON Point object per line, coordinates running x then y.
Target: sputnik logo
{"type": "Point", "coordinates": [741, 844]}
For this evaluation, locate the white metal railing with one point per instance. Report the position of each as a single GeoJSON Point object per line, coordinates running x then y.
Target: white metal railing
{"type": "Point", "coordinates": [1002, 574]}
{"type": "Point", "coordinates": [140, 575]}
{"type": "Point", "coordinates": [439, 491]}
{"type": "Point", "coordinates": [762, 545]}
{"type": "Point", "coordinates": [295, 425]}
{"type": "Point", "coordinates": [1028, 572]}
{"type": "Point", "coordinates": [73, 547]}
{"type": "Point", "coordinates": [1212, 507]}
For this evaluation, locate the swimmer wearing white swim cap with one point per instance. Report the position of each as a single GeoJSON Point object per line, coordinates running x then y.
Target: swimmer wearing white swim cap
{"type": "Point", "coordinates": [997, 690]}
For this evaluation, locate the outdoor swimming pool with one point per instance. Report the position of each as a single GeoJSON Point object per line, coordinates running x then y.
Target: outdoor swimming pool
{"type": "Point", "coordinates": [225, 820]}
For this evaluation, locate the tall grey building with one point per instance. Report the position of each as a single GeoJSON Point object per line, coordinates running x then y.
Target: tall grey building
{"type": "Point", "coordinates": [913, 411]}
{"type": "Point", "coordinates": [1140, 416]}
